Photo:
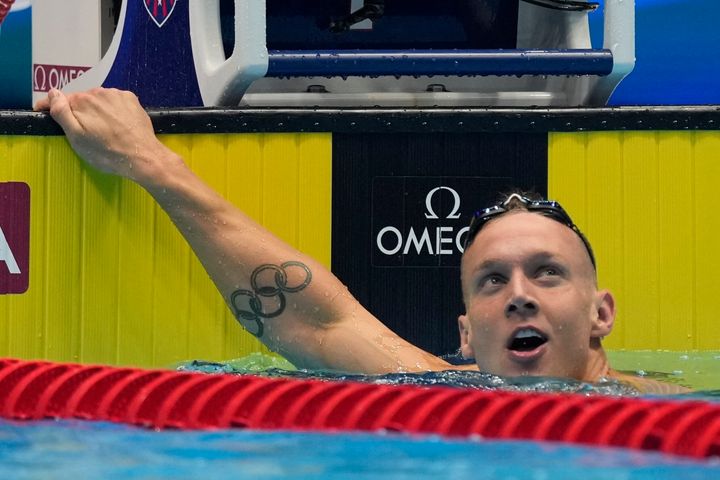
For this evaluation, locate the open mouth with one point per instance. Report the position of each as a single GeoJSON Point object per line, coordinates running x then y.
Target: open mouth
{"type": "Point", "coordinates": [526, 340]}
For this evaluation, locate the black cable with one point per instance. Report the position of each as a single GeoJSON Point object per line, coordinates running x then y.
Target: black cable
{"type": "Point", "coordinates": [371, 10]}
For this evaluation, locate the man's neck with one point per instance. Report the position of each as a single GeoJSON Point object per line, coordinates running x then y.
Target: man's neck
{"type": "Point", "coordinates": [597, 366]}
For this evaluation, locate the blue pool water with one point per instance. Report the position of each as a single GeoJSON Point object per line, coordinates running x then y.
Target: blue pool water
{"type": "Point", "coordinates": [90, 450]}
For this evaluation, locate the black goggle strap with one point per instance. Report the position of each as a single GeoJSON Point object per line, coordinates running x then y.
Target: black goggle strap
{"type": "Point", "coordinates": [548, 208]}
{"type": "Point", "coordinates": [479, 219]}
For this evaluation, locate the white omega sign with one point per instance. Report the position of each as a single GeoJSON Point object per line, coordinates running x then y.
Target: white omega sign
{"type": "Point", "coordinates": [438, 240]}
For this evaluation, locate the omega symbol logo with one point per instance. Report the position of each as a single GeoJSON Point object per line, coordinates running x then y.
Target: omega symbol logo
{"type": "Point", "coordinates": [431, 215]}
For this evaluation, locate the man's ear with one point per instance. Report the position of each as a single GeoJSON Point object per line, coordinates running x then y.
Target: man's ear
{"type": "Point", "coordinates": [465, 337]}
{"type": "Point", "coordinates": [605, 319]}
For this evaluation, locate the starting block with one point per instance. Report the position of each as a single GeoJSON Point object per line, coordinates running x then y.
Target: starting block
{"type": "Point", "coordinates": [178, 53]}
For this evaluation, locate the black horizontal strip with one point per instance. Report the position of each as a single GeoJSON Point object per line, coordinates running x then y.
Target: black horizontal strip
{"type": "Point", "coordinates": [410, 120]}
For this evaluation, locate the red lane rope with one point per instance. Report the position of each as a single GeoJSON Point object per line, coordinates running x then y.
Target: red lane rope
{"type": "Point", "coordinates": [164, 398]}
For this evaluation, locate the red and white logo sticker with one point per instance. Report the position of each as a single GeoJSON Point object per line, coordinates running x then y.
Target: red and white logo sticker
{"type": "Point", "coordinates": [46, 77]}
{"type": "Point", "coordinates": [14, 237]}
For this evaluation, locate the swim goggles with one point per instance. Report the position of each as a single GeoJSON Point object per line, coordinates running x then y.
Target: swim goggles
{"type": "Point", "coordinates": [547, 208]}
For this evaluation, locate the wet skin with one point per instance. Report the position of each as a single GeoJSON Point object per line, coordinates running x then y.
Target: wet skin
{"type": "Point", "coordinates": [528, 275]}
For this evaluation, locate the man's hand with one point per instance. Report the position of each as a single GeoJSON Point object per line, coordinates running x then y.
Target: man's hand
{"type": "Point", "coordinates": [109, 129]}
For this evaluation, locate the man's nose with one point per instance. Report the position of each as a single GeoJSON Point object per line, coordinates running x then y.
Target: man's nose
{"type": "Point", "coordinates": [521, 302]}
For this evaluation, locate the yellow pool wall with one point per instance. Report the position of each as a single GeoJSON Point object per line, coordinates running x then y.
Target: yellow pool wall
{"type": "Point", "coordinates": [647, 201]}
{"type": "Point", "coordinates": [113, 282]}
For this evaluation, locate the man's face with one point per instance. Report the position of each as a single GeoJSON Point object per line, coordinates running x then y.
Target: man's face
{"type": "Point", "coordinates": [532, 307]}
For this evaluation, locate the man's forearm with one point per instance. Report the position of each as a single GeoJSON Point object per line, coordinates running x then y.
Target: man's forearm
{"type": "Point", "coordinates": [271, 288]}
{"type": "Point", "coordinates": [292, 303]}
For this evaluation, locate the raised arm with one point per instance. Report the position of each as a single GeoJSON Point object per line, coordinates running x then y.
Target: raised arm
{"type": "Point", "coordinates": [289, 301]}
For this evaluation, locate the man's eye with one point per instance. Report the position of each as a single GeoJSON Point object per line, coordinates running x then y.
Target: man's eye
{"type": "Point", "coordinates": [549, 272]}
{"type": "Point", "coordinates": [491, 280]}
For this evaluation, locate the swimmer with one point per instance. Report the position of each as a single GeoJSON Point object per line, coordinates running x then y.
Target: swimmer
{"type": "Point", "coordinates": [532, 305]}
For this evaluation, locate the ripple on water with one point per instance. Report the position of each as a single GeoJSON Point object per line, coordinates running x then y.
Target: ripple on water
{"type": "Point", "coordinates": [259, 364]}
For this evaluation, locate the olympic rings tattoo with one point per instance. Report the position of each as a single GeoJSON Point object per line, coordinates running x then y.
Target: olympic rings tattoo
{"type": "Point", "coordinates": [254, 298]}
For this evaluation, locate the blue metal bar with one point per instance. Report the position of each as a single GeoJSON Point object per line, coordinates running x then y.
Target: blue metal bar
{"type": "Point", "coordinates": [342, 63]}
